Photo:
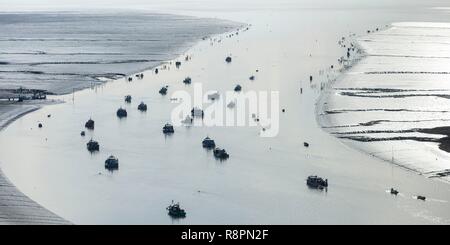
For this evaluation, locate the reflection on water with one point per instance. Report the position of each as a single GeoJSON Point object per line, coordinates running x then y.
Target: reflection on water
{"type": "Point", "coordinates": [263, 181]}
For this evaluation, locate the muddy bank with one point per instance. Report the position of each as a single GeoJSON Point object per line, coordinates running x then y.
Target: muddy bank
{"type": "Point", "coordinates": [396, 97]}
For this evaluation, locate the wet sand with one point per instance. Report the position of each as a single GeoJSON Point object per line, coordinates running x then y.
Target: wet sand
{"type": "Point", "coordinates": [15, 207]}
{"type": "Point", "coordinates": [394, 102]}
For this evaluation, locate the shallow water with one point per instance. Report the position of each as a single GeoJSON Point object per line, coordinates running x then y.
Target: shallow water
{"type": "Point", "coordinates": [263, 182]}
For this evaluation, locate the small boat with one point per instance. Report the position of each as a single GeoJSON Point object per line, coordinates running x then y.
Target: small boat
{"type": "Point", "coordinates": [238, 88]}
{"type": "Point", "coordinates": [220, 154]}
{"type": "Point", "coordinates": [251, 78]}
{"type": "Point", "coordinates": [128, 98]}
{"type": "Point", "coordinates": [112, 163]}
{"type": "Point", "coordinates": [40, 125]}
{"type": "Point", "coordinates": [423, 198]}
{"type": "Point", "coordinates": [175, 211]}
{"type": "Point", "coordinates": [130, 79]}
{"type": "Point", "coordinates": [305, 144]}
{"type": "Point", "coordinates": [90, 124]}
{"type": "Point", "coordinates": [122, 113]}
{"type": "Point", "coordinates": [156, 71]}
{"type": "Point", "coordinates": [208, 143]}
{"type": "Point", "coordinates": [310, 78]}
{"type": "Point", "coordinates": [93, 146]}
{"type": "Point", "coordinates": [231, 105]}
{"type": "Point", "coordinates": [187, 120]}
{"type": "Point", "coordinates": [394, 191]}
{"type": "Point", "coordinates": [49, 115]}
{"type": "Point", "coordinates": [168, 129]}
{"type": "Point", "coordinates": [163, 90]}
{"type": "Point", "coordinates": [187, 80]}
{"type": "Point", "coordinates": [83, 133]}
{"type": "Point", "coordinates": [228, 59]}
{"type": "Point", "coordinates": [197, 112]}
{"type": "Point", "coordinates": [316, 182]}
{"type": "Point", "coordinates": [142, 106]}
{"type": "Point", "coordinates": [214, 96]}
{"type": "Point", "coordinates": [178, 64]}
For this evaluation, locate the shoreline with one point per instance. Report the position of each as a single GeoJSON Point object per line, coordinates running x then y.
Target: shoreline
{"type": "Point", "coordinates": [16, 207]}
{"type": "Point", "coordinates": [324, 121]}
{"type": "Point", "coordinates": [14, 212]}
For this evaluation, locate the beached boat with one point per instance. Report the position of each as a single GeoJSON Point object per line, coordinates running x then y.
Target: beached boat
{"type": "Point", "coordinates": [93, 146]}
{"type": "Point", "coordinates": [142, 106]}
{"type": "Point", "coordinates": [90, 124]}
{"type": "Point", "coordinates": [208, 143]}
{"type": "Point", "coordinates": [112, 163]}
{"type": "Point", "coordinates": [176, 211]}
{"type": "Point", "coordinates": [220, 154]}
{"type": "Point", "coordinates": [316, 182]}
{"type": "Point", "coordinates": [122, 113]}
{"type": "Point", "coordinates": [168, 129]}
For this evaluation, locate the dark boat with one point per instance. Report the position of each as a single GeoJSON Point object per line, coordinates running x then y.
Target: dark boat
{"type": "Point", "coordinates": [316, 182]}
{"type": "Point", "coordinates": [40, 125]}
{"type": "Point", "coordinates": [196, 112]}
{"type": "Point", "coordinates": [122, 113]}
{"type": "Point", "coordinates": [208, 143]}
{"type": "Point", "coordinates": [228, 59]}
{"type": "Point", "coordinates": [130, 79]}
{"type": "Point", "coordinates": [168, 129]}
{"type": "Point", "coordinates": [220, 154]}
{"type": "Point", "coordinates": [175, 211]}
{"type": "Point", "coordinates": [423, 198]}
{"type": "Point", "coordinates": [252, 78]}
{"type": "Point", "coordinates": [238, 88]}
{"type": "Point", "coordinates": [178, 64]}
{"type": "Point", "coordinates": [112, 163]}
{"type": "Point", "coordinates": [156, 71]}
{"type": "Point", "coordinates": [90, 124]}
{"type": "Point", "coordinates": [187, 80]}
{"type": "Point", "coordinates": [305, 144]}
{"type": "Point", "coordinates": [93, 146]}
{"type": "Point", "coordinates": [83, 133]}
{"type": "Point", "coordinates": [142, 106]}
{"type": "Point", "coordinates": [128, 98]}
{"type": "Point", "coordinates": [394, 191]}
{"type": "Point", "coordinates": [163, 90]}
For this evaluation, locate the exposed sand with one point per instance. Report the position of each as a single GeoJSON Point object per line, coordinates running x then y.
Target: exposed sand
{"type": "Point", "coordinates": [15, 207]}
{"type": "Point", "coordinates": [393, 104]}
